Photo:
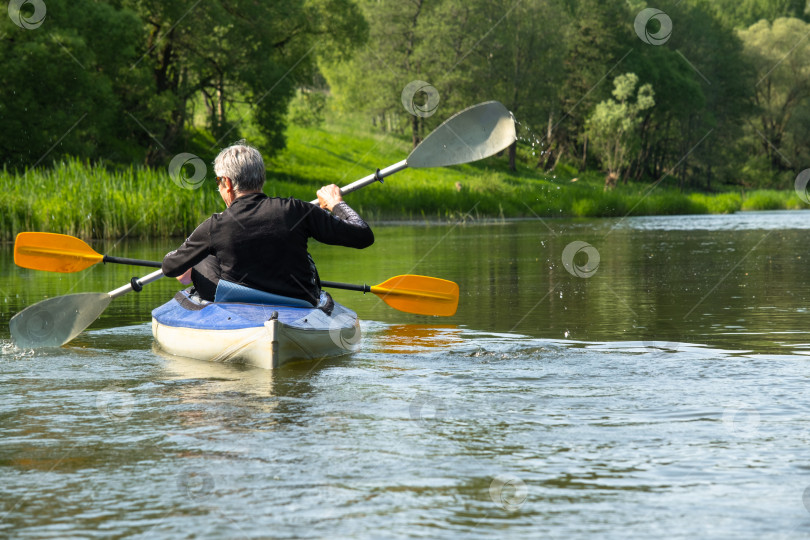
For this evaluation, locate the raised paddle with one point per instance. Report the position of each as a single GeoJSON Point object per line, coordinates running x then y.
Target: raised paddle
{"type": "Point", "coordinates": [469, 135]}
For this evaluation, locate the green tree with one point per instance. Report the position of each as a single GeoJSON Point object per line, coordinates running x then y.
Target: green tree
{"type": "Point", "coordinates": [243, 58]}
{"type": "Point", "coordinates": [374, 79]}
{"type": "Point", "coordinates": [514, 47]}
{"type": "Point", "coordinates": [61, 81]}
{"type": "Point", "coordinates": [120, 80]}
{"type": "Point", "coordinates": [468, 51]}
{"type": "Point", "coordinates": [599, 42]}
{"type": "Point", "coordinates": [702, 84]}
{"type": "Point", "coordinates": [744, 13]}
{"type": "Point", "coordinates": [613, 125]}
{"type": "Point", "coordinates": [780, 54]}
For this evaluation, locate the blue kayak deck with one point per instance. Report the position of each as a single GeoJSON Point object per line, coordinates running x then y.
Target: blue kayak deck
{"type": "Point", "coordinates": [182, 311]}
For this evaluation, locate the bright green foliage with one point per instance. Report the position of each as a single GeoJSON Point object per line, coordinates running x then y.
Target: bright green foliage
{"type": "Point", "coordinates": [307, 108]}
{"type": "Point", "coordinates": [613, 126]}
{"type": "Point", "coordinates": [780, 53]}
{"type": "Point", "coordinates": [95, 202]}
{"type": "Point", "coordinates": [235, 52]}
{"type": "Point", "coordinates": [743, 13]}
{"type": "Point", "coordinates": [373, 80]}
{"type": "Point", "coordinates": [599, 39]}
{"type": "Point", "coordinates": [765, 199]}
{"type": "Point", "coordinates": [702, 91]}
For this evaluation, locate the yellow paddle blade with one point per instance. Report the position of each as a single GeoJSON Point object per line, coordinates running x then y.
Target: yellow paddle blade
{"type": "Point", "coordinates": [419, 294]}
{"type": "Point", "coordinates": [53, 252]}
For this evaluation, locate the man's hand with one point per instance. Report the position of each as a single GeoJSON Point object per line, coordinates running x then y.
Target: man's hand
{"type": "Point", "coordinates": [185, 279]}
{"type": "Point", "coordinates": [329, 196]}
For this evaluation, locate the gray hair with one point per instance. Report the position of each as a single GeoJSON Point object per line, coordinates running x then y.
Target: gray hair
{"type": "Point", "coordinates": [243, 164]}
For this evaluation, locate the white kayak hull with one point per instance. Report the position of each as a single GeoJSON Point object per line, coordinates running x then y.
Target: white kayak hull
{"type": "Point", "coordinates": [265, 336]}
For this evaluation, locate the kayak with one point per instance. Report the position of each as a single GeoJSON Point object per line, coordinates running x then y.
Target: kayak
{"type": "Point", "coordinates": [266, 335]}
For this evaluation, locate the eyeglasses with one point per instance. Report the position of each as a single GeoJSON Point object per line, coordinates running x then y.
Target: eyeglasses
{"type": "Point", "coordinates": [220, 179]}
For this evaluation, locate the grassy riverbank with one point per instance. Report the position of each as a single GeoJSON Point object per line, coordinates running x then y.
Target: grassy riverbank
{"type": "Point", "coordinates": [95, 201]}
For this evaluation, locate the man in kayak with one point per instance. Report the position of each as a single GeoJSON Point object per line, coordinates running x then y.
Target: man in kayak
{"type": "Point", "coordinates": [260, 241]}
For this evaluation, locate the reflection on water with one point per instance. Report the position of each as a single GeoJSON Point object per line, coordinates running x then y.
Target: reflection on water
{"type": "Point", "coordinates": [663, 395]}
{"type": "Point", "coordinates": [220, 378]}
{"type": "Point", "coordinates": [409, 338]}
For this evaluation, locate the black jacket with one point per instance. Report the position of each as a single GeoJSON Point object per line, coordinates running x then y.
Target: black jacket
{"type": "Point", "coordinates": [261, 242]}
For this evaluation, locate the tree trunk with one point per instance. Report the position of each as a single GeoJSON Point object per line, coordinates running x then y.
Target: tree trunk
{"type": "Point", "coordinates": [512, 155]}
{"type": "Point", "coordinates": [220, 105]}
{"type": "Point", "coordinates": [584, 152]}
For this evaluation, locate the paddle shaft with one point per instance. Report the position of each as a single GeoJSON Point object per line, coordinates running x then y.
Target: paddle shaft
{"type": "Point", "coordinates": [370, 179]}
{"type": "Point", "coordinates": [136, 284]}
{"type": "Point", "coordinates": [156, 275]}
{"type": "Point", "coordinates": [131, 262]}
{"type": "Point", "coordinates": [346, 286]}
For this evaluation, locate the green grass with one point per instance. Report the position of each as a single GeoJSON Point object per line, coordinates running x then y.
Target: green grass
{"type": "Point", "coordinates": [96, 201]}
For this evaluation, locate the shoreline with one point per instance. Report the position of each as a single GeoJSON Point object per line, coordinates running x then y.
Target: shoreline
{"type": "Point", "coordinates": [96, 202]}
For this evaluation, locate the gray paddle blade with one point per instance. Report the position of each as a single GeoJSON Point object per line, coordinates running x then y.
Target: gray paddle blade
{"type": "Point", "coordinates": [472, 134]}
{"type": "Point", "coordinates": [55, 321]}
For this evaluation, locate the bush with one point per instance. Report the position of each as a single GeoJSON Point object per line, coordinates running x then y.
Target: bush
{"type": "Point", "coordinates": [766, 200]}
{"type": "Point", "coordinates": [720, 203]}
{"type": "Point", "coordinates": [307, 108]}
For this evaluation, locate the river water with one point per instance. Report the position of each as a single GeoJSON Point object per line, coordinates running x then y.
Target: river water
{"type": "Point", "coordinates": [602, 378]}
